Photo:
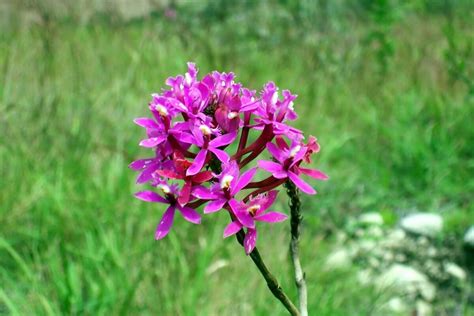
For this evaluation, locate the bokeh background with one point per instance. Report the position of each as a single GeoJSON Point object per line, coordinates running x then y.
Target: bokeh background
{"type": "Point", "coordinates": [387, 86]}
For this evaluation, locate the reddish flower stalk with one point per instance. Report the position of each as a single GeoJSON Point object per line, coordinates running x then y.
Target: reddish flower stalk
{"type": "Point", "coordinates": [261, 183]}
{"type": "Point", "coordinates": [245, 134]}
{"type": "Point", "coordinates": [267, 188]}
{"type": "Point", "coordinates": [258, 144]}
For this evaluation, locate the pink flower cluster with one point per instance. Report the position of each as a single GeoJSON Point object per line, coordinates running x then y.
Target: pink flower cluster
{"type": "Point", "coordinates": [199, 159]}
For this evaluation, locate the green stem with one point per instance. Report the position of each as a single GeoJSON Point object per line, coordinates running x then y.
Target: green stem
{"type": "Point", "coordinates": [295, 222]}
{"type": "Point", "coordinates": [272, 282]}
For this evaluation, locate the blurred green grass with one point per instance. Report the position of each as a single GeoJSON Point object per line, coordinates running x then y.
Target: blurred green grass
{"type": "Point", "coordinates": [396, 134]}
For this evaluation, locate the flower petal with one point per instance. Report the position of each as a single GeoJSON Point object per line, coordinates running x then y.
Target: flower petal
{"type": "Point", "coordinates": [274, 168]}
{"type": "Point", "coordinates": [139, 164]}
{"type": "Point", "coordinates": [146, 122]}
{"type": "Point", "coordinates": [250, 106]}
{"type": "Point", "coordinates": [236, 206]}
{"type": "Point", "coordinates": [220, 154]}
{"type": "Point", "coordinates": [185, 193]}
{"type": "Point", "coordinates": [243, 180]}
{"type": "Point", "coordinates": [169, 174]}
{"type": "Point", "coordinates": [214, 206]}
{"type": "Point", "coordinates": [190, 215]}
{"type": "Point", "coordinates": [152, 142]}
{"type": "Point", "coordinates": [314, 173]}
{"type": "Point", "coordinates": [204, 193]}
{"type": "Point", "coordinates": [147, 174]}
{"type": "Point", "coordinates": [271, 196]}
{"type": "Point", "coordinates": [303, 186]}
{"type": "Point", "coordinates": [232, 229]}
{"type": "Point", "coordinates": [198, 137]}
{"type": "Point", "coordinates": [150, 196]}
{"type": "Point", "coordinates": [250, 240]}
{"type": "Point", "coordinates": [271, 217]}
{"type": "Point", "coordinates": [245, 218]}
{"type": "Point", "coordinates": [223, 140]}
{"type": "Point", "coordinates": [275, 152]}
{"type": "Point", "coordinates": [165, 223]}
{"type": "Point", "coordinates": [197, 163]}
{"type": "Point", "coordinates": [185, 138]}
{"type": "Point", "coordinates": [299, 156]}
{"type": "Point", "coordinates": [202, 177]}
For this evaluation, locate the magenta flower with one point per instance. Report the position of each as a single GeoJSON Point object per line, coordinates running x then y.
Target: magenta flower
{"type": "Point", "coordinates": [256, 208]}
{"type": "Point", "coordinates": [170, 198]}
{"type": "Point", "coordinates": [148, 167]}
{"type": "Point", "coordinates": [228, 112]}
{"type": "Point", "coordinates": [201, 139]}
{"type": "Point", "coordinates": [161, 134]}
{"type": "Point", "coordinates": [223, 192]}
{"type": "Point", "coordinates": [287, 164]}
{"type": "Point", "coordinates": [181, 165]}
{"type": "Point", "coordinates": [274, 112]}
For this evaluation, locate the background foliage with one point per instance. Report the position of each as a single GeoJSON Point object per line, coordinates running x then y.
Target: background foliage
{"type": "Point", "coordinates": [386, 86]}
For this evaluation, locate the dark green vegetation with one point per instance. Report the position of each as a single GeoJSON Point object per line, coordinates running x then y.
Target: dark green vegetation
{"type": "Point", "coordinates": [387, 89]}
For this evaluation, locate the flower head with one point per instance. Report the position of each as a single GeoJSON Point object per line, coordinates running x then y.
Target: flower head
{"type": "Point", "coordinates": [199, 131]}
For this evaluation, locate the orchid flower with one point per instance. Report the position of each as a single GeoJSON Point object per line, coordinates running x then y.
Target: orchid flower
{"type": "Point", "coordinates": [229, 184]}
{"type": "Point", "coordinates": [171, 193]}
{"type": "Point", "coordinates": [181, 165]}
{"type": "Point", "coordinates": [201, 139]}
{"type": "Point", "coordinates": [256, 208]}
{"type": "Point", "coordinates": [286, 164]}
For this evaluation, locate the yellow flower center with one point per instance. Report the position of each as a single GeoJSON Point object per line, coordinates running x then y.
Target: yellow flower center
{"type": "Point", "coordinates": [294, 151]}
{"type": "Point", "coordinates": [232, 115]}
{"type": "Point", "coordinates": [226, 180]}
{"type": "Point", "coordinates": [253, 209]}
{"type": "Point", "coordinates": [205, 130]}
{"type": "Point", "coordinates": [162, 110]}
{"type": "Point", "coordinates": [164, 188]}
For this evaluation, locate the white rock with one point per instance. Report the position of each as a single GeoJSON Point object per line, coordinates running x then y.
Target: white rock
{"type": "Point", "coordinates": [423, 308]}
{"type": "Point", "coordinates": [400, 257]}
{"type": "Point", "coordinates": [338, 259]}
{"type": "Point", "coordinates": [469, 236]}
{"type": "Point", "coordinates": [366, 245]}
{"type": "Point", "coordinates": [388, 256]}
{"type": "Point", "coordinates": [406, 279]}
{"type": "Point", "coordinates": [375, 231]}
{"type": "Point", "coordinates": [432, 267]}
{"type": "Point", "coordinates": [372, 218]}
{"type": "Point", "coordinates": [397, 235]}
{"type": "Point", "coordinates": [426, 224]}
{"type": "Point", "coordinates": [341, 237]}
{"type": "Point", "coordinates": [455, 270]}
{"type": "Point", "coordinates": [397, 305]}
{"type": "Point", "coordinates": [374, 263]}
{"type": "Point", "coordinates": [394, 238]}
{"type": "Point", "coordinates": [432, 252]}
{"type": "Point", "coordinates": [423, 241]}
{"type": "Point", "coordinates": [427, 290]}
